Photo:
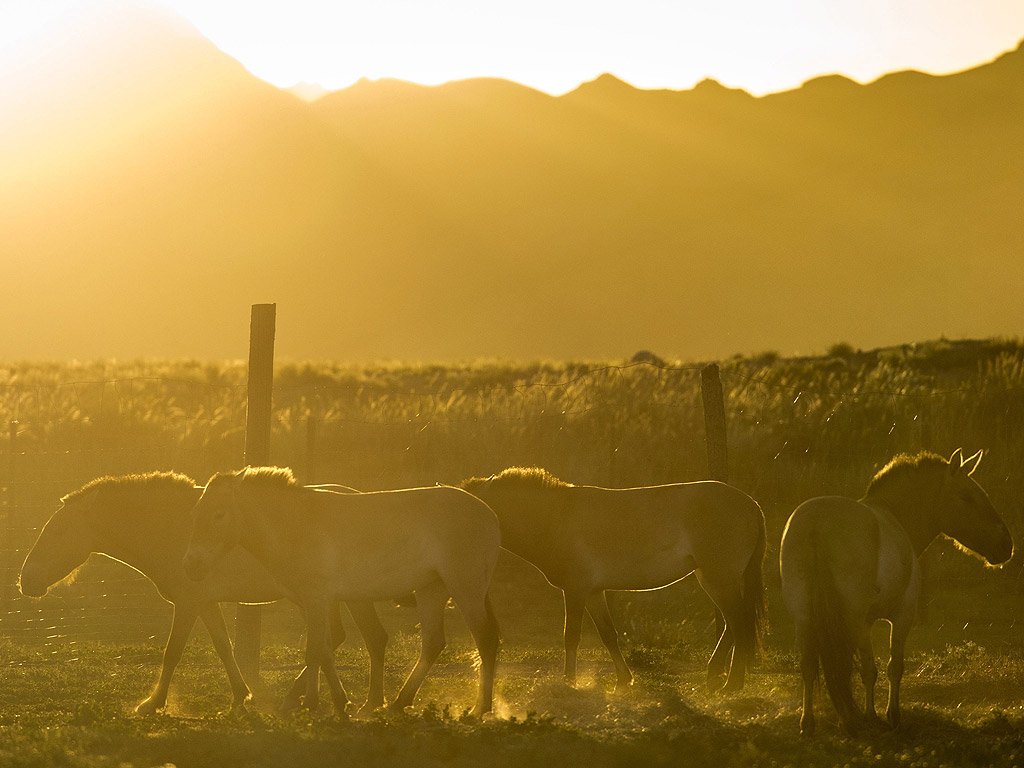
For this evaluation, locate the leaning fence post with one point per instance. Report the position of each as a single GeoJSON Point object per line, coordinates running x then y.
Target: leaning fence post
{"type": "Point", "coordinates": [714, 422]}
{"type": "Point", "coordinates": [257, 452]}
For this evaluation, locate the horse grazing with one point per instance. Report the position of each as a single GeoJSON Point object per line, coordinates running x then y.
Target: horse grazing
{"type": "Point", "coordinates": [143, 521]}
{"type": "Point", "coordinates": [846, 564]}
{"type": "Point", "coordinates": [437, 542]}
{"type": "Point", "coordinates": [586, 540]}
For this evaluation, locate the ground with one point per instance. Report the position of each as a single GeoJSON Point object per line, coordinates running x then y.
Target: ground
{"type": "Point", "coordinates": [963, 707]}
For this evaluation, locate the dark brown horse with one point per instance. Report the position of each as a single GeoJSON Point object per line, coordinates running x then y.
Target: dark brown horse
{"type": "Point", "coordinates": [436, 542]}
{"type": "Point", "coordinates": [587, 540]}
{"type": "Point", "coordinates": [143, 521]}
{"type": "Point", "coordinates": [846, 564]}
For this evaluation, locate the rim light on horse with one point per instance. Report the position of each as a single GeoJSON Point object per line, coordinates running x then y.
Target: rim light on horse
{"type": "Point", "coordinates": [436, 542]}
{"type": "Point", "coordinates": [846, 564]}
{"type": "Point", "coordinates": [143, 521]}
{"type": "Point", "coordinates": [586, 540]}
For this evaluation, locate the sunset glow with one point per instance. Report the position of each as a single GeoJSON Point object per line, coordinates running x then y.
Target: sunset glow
{"type": "Point", "coordinates": [553, 46]}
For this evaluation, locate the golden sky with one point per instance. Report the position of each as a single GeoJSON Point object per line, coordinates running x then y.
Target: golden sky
{"type": "Point", "coordinates": [553, 45]}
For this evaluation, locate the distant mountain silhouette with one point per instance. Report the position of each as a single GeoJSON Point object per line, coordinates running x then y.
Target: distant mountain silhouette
{"type": "Point", "coordinates": [154, 189]}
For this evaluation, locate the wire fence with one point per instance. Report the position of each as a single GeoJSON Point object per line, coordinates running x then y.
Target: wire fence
{"type": "Point", "coordinates": [794, 431]}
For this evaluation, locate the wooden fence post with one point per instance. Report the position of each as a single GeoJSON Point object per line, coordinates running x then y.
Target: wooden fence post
{"type": "Point", "coordinates": [8, 557]}
{"type": "Point", "coordinates": [714, 437]}
{"type": "Point", "coordinates": [248, 619]}
{"type": "Point", "coordinates": [714, 423]}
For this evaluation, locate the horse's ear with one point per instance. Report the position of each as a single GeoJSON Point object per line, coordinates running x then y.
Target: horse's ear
{"type": "Point", "coordinates": [956, 460]}
{"type": "Point", "coordinates": [973, 462]}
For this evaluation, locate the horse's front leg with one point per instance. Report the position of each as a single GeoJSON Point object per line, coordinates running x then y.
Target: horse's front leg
{"type": "Point", "coordinates": [597, 607]}
{"type": "Point", "coordinates": [181, 627]}
{"type": "Point", "coordinates": [575, 600]}
{"type": "Point", "coordinates": [213, 618]}
{"type": "Point", "coordinates": [320, 655]}
{"type": "Point", "coordinates": [337, 637]}
{"type": "Point", "coordinates": [364, 613]}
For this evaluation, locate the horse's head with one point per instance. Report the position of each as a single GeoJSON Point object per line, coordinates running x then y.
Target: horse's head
{"type": "Point", "coordinates": [214, 526]}
{"type": "Point", "coordinates": [969, 516]}
{"type": "Point", "coordinates": [63, 545]}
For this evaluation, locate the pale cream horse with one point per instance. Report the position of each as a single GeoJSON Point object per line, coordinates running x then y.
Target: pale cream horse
{"type": "Point", "coordinates": [846, 564]}
{"type": "Point", "coordinates": [586, 540]}
{"type": "Point", "coordinates": [437, 542]}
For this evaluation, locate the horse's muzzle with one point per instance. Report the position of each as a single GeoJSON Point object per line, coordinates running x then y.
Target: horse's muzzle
{"type": "Point", "coordinates": [31, 584]}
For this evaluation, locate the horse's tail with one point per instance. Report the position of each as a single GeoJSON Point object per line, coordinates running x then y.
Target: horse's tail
{"type": "Point", "coordinates": [830, 633]}
{"type": "Point", "coordinates": [754, 597]}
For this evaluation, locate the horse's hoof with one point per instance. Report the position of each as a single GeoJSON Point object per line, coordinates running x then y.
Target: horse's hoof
{"type": "Point", "coordinates": [850, 728]}
{"type": "Point", "coordinates": [874, 722]}
{"type": "Point", "coordinates": [369, 707]}
{"type": "Point", "coordinates": [807, 727]}
{"type": "Point", "coordinates": [148, 707]}
{"type": "Point", "coordinates": [288, 706]}
{"type": "Point", "coordinates": [732, 687]}
{"type": "Point", "coordinates": [716, 684]}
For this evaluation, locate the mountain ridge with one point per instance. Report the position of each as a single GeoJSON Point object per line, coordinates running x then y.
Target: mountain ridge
{"type": "Point", "coordinates": [483, 218]}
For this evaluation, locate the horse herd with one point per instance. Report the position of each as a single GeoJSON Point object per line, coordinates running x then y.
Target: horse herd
{"type": "Point", "coordinates": [256, 536]}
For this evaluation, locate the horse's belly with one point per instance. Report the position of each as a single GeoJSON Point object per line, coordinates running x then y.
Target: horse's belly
{"type": "Point", "coordinates": [376, 585]}
{"type": "Point", "coordinates": [642, 574]}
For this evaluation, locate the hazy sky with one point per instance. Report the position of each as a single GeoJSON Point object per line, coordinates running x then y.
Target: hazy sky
{"type": "Point", "coordinates": [760, 45]}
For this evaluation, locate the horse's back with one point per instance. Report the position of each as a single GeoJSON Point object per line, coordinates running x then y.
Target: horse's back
{"type": "Point", "coordinates": [376, 543]}
{"type": "Point", "coordinates": [435, 510]}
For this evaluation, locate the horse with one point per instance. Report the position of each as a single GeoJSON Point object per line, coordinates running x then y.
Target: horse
{"type": "Point", "coordinates": [586, 540]}
{"type": "Point", "coordinates": [846, 564]}
{"type": "Point", "coordinates": [143, 521]}
{"type": "Point", "coordinates": [436, 542]}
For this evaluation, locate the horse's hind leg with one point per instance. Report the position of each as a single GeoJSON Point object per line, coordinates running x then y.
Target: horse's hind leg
{"type": "Point", "coordinates": [868, 672]}
{"type": "Point", "coordinates": [894, 671]}
{"type": "Point", "coordinates": [809, 673]}
{"type": "Point", "coordinates": [737, 640]}
{"type": "Point", "coordinates": [337, 637]}
{"type": "Point", "coordinates": [376, 638]}
{"type": "Point", "coordinates": [484, 626]}
{"type": "Point", "coordinates": [181, 626]}
{"type": "Point", "coordinates": [572, 631]}
{"type": "Point", "coordinates": [597, 607]}
{"type": "Point", "coordinates": [430, 602]}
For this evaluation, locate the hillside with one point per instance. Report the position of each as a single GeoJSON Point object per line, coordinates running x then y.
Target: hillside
{"type": "Point", "coordinates": [147, 205]}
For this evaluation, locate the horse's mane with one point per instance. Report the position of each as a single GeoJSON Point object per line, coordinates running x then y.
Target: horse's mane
{"type": "Point", "coordinates": [169, 480]}
{"type": "Point", "coordinates": [903, 465]}
{"type": "Point", "coordinates": [535, 476]}
{"type": "Point", "coordinates": [277, 476]}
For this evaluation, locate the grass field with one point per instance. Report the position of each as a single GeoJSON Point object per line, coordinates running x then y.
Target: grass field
{"type": "Point", "coordinates": [73, 665]}
{"type": "Point", "coordinates": [962, 707]}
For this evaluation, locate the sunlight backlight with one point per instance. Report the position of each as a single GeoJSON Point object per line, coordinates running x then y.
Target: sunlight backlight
{"type": "Point", "coordinates": [554, 46]}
